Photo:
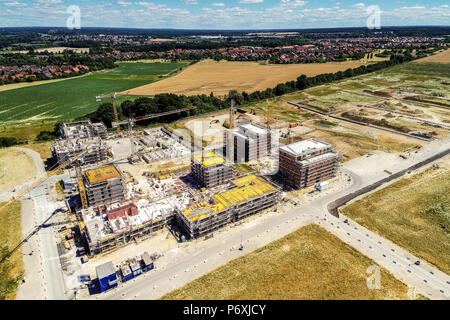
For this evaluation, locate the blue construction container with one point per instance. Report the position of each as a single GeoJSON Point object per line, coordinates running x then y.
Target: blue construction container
{"type": "Point", "coordinates": [136, 269]}
{"type": "Point", "coordinates": [146, 262]}
{"type": "Point", "coordinates": [126, 273]}
{"type": "Point", "coordinates": [107, 276]}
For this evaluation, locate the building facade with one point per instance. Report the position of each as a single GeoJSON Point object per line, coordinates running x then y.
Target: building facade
{"type": "Point", "coordinates": [304, 163]}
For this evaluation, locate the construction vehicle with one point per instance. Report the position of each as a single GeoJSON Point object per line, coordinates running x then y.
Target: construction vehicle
{"type": "Point", "coordinates": [50, 174]}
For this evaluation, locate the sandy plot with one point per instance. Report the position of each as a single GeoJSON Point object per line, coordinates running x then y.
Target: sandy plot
{"type": "Point", "coordinates": [442, 57]}
{"type": "Point", "coordinates": [16, 167]}
{"type": "Point", "coordinates": [221, 77]}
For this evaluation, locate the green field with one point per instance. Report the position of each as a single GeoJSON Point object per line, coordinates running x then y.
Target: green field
{"type": "Point", "coordinates": [73, 98]}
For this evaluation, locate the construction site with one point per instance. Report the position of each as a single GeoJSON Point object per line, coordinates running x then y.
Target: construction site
{"type": "Point", "coordinates": [115, 197]}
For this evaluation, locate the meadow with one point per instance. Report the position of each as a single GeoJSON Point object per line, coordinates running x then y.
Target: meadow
{"type": "Point", "coordinates": [411, 213]}
{"type": "Point", "coordinates": [308, 264]}
{"type": "Point", "coordinates": [75, 97]}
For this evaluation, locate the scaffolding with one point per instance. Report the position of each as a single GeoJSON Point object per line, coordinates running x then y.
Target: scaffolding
{"type": "Point", "coordinates": [248, 196]}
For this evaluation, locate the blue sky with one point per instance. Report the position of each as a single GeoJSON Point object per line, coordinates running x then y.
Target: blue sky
{"type": "Point", "coordinates": [223, 14]}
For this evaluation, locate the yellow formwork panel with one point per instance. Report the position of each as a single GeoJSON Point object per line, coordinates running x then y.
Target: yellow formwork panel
{"type": "Point", "coordinates": [247, 188]}
{"type": "Point", "coordinates": [209, 159]}
{"type": "Point", "coordinates": [102, 174]}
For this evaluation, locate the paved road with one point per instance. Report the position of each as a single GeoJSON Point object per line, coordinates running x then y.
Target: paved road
{"type": "Point", "coordinates": [43, 267]}
{"type": "Point", "coordinates": [425, 278]}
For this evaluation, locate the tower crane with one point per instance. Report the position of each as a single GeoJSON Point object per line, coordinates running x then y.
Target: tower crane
{"type": "Point", "coordinates": [113, 97]}
{"type": "Point", "coordinates": [132, 121]}
{"type": "Point", "coordinates": [49, 174]}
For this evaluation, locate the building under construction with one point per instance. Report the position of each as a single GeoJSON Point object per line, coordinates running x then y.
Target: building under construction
{"type": "Point", "coordinates": [104, 185]}
{"type": "Point", "coordinates": [247, 196]}
{"type": "Point", "coordinates": [210, 170]}
{"type": "Point", "coordinates": [108, 227]}
{"type": "Point", "coordinates": [83, 130]}
{"type": "Point", "coordinates": [304, 163]}
{"type": "Point", "coordinates": [249, 142]}
{"type": "Point", "coordinates": [62, 150]}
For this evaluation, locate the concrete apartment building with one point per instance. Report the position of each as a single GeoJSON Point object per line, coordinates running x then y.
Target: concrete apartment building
{"type": "Point", "coordinates": [104, 185]}
{"type": "Point", "coordinates": [83, 130]}
{"type": "Point", "coordinates": [304, 163]}
{"type": "Point", "coordinates": [249, 142]}
{"type": "Point", "coordinates": [62, 150]}
{"type": "Point", "coordinates": [210, 170]}
{"type": "Point", "coordinates": [248, 195]}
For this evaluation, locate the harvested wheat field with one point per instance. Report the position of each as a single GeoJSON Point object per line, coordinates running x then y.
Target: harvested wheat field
{"type": "Point", "coordinates": [220, 77]}
{"type": "Point", "coordinates": [16, 167]}
{"type": "Point", "coordinates": [308, 264]}
{"type": "Point", "coordinates": [441, 57]}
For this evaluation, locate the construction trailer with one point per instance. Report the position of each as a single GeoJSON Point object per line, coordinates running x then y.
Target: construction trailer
{"type": "Point", "coordinates": [109, 227]}
{"type": "Point", "coordinates": [63, 150]}
{"type": "Point", "coordinates": [104, 185]}
{"type": "Point", "coordinates": [146, 262]}
{"type": "Point", "coordinates": [307, 162]}
{"type": "Point", "coordinates": [210, 170]}
{"type": "Point", "coordinates": [249, 141]}
{"type": "Point", "coordinates": [107, 276]}
{"type": "Point", "coordinates": [126, 273]}
{"type": "Point", "coordinates": [247, 196]}
{"type": "Point", "coordinates": [83, 130]}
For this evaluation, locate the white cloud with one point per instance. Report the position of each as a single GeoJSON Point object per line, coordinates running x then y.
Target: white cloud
{"type": "Point", "coordinates": [218, 4]}
{"type": "Point", "coordinates": [250, 1]}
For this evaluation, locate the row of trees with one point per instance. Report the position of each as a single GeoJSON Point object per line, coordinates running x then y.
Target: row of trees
{"type": "Point", "coordinates": [204, 103]}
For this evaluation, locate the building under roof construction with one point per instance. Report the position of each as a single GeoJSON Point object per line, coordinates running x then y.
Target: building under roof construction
{"type": "Point", "coordinates": [210, 170]}
{"type": "Point", "coordinates": [307, 162]}
{"type": "Point", "coordinates": [108, 227]}
{"type": "Point", "coordinates": [83, 130]}
{"type": "Point", "coordinates": [62, 150]}
{"type": "Point", "coordinates": [104, 185]}
{"type": "Point", "coordinates": [247, 196]}
{"type": "Point", "coordinates": [249, 141]}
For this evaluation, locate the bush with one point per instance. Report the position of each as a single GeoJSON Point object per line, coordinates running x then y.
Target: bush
{"type": "Point", "coordinates": [8, 142]}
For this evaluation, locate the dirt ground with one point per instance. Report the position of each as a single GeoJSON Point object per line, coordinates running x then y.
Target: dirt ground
{"type": "Point", "coordinates": [307, 264]}
{"type": "Point", "coordinates": [221, 77]}
{"type": "Point", "coordinates": [16, 167]}
{"type": "Point", "coordinates": [442, 57]}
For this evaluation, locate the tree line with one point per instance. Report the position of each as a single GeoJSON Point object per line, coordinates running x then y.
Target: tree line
{"type": "Point", "coordinates": [204, 103]}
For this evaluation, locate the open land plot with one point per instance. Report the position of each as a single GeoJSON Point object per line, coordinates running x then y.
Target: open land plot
{"type": "Point", "coordinates": [12, 268]}
{"type": "Point", "coordinates": [411, 212]}
{"type": "Point", "coordinates": [309, 263]}
{"type": "Point", "coordinates": [221, 77]}
{"type": "Point", "coordinates": [76, 97]}
{"type": "Point", "coordinates": [16, 167]}
{"type": "Point", "coordinates": [352, 140]}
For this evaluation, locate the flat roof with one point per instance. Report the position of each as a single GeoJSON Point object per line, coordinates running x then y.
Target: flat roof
{"type": "Point", "coordinates": [246, 188]}
{"type": "Point", "coordinates": [105, 270]}
{"type": "Point", "coordinates": [303, 146]}
{"type": "Point", "coordinates": [101, 174]}
{"type": "Point", "coordinates": [256, 129]}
